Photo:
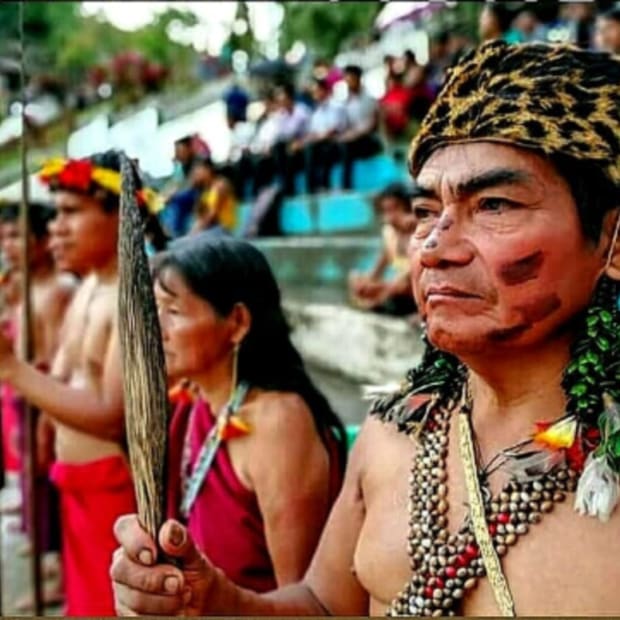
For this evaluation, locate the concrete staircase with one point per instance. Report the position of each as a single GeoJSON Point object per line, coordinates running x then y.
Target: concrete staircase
{"type": "Point", "coordinates": [361, 347]}
{"type": "Point", "coordinates": [325, 237]}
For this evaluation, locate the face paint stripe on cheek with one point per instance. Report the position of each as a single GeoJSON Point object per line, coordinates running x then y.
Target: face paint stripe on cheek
{"type": "Point", "coordinates": [540, 308]}
{"type": "Point", "coordinates": [531, 313]}
{"type": "Point", "coordinates": [522, 270]}
{"type": "Point", "coordinates": [510, 333]}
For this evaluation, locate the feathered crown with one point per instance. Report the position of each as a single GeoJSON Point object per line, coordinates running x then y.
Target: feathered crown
{"type": "Point", "coordinates": [80, 175]}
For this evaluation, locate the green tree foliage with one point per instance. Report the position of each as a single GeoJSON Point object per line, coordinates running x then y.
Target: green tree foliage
{"type": "Point", "coordinates": [46, 26]}
{"type": "Point", "coordinates": [62, 42]}
{"type": "Point", "coordinates": [246, 41]}
{"type": "Point", "coordinates": [9, 25]}
{"type": "Point", "coordinates": [153, 40]}
{"type": "Point", "coordinates": [325, 27]}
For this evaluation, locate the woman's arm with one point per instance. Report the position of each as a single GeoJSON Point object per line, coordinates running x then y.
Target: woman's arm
{"type": "Point", "coordinates": [292, 485]}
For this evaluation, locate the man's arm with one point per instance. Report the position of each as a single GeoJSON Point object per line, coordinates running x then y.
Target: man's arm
{"type": "Point", "coordinates": [401, 285]}
{"type": "Point", "coordinates": [197, 588]}
{"type": "Point", "coordinates": [84, 409]}
{"type": "Point", "coordinates": [368, 286]}
{"type": "Point", "coordinates": [380, 266]}
{"type": "Point", "coordinates": [380, 292]}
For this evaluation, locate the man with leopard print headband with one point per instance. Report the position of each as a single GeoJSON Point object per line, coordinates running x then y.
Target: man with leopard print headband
{"type": "Point", "coordinates": [488, 483]}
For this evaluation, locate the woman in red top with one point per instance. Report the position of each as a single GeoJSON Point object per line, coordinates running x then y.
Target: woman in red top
{"type": "Point", "coordinates": [394, 107]}
{"type": "Point", "coordinates": [257, 457]}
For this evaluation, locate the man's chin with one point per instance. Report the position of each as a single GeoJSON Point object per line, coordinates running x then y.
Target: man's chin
{"type": "Point", "coordinates": [66, 265]}
{"type": "Point", "coordinates": [63, 265]}
{"type": "Point", "coordinates": [457, 342]}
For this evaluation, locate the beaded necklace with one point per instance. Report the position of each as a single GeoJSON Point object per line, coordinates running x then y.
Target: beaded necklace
{"type": "Point", "coordinates": [445, 566]}
{"type": "Point", "coordinates": [192, 481]}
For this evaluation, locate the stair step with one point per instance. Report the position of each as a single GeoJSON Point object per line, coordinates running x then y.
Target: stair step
{"type": "Point", "coordinates": [315, 261]}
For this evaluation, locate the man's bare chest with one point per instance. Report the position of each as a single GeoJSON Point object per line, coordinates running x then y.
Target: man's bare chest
{"type": "Point", "coordinates": [556, 569]}
{"type": "Point", "coordinates": [381, 562]}
{"type": "Point", "coordinates": [89, 331]}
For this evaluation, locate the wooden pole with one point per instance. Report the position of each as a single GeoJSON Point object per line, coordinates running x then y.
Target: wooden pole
{"type": "Point", "coordinates": [143, 363]}
{"type": "Point", "coordinates": [1, 524]}
{"type": "Point", "coordinates": [26, 339]}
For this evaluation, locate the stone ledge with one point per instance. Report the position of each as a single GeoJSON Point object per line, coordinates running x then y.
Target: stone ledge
{"type": "Point", "coordinates": [361, 346]}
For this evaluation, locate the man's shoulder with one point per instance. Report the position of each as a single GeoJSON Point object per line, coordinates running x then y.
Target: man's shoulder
{"type": "Point", "coordinates": [52, 290]}
{"type": "Point", "coordinates": [93, 295]}
{"type": "Point", "coordinates": [379, 450]}
{"type": "Point", "coordinates": [402, 406]}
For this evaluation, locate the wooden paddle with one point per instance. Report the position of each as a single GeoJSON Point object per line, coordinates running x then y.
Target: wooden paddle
{"type": "Point", "coordinates": [143, 364]}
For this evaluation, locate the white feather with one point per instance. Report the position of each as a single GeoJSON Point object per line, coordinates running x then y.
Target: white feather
{"type": "Point", "coordinates": [370, 392]}
{"type": "Point", "coordinates": [598, 489]}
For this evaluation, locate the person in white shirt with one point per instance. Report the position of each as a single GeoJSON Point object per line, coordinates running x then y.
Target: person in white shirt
{"type": "Point", "coordinates": [293, 119]}
{"type": "Point", "coordinates": [293, 116]}
{"type": "Point", "coordinates": [241, 135]}
{"type": "Point", "coordinates": [267, 132]}
{"type": "Point", "coordinates": [238, 167]}
{"type": "Point", "coordinates": [320, 152]}
{"type": "Point", "coordinates": [258, 163]}
{"type": "Point", "coordinates": [360, 140]}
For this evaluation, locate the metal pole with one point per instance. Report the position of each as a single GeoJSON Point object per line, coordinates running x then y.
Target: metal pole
{"type": "Point", "coordinates": [26, 337]}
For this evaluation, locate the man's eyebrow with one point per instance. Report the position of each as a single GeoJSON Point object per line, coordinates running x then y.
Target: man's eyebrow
{"type": "Point", "coordinates": [491, 178]}
{"type": "Point", "coordinates": [419, 191]}
{"type": "Point", "coordinates": [485, 180]}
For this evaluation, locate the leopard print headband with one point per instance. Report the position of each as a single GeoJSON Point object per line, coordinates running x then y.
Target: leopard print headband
{"type": "Point", "coordinates": [552, 98]}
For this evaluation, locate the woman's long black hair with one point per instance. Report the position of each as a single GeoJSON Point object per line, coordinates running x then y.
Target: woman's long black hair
{"type": "Point", "coordinates": [227, 271]}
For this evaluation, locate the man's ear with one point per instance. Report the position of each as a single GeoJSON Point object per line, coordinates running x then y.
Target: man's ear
{"type": "Point", "coordinates": [611, 235]}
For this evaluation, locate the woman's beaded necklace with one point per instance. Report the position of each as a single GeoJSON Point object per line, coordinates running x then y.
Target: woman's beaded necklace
{"type": "Point", "coordinates": [193, 479]}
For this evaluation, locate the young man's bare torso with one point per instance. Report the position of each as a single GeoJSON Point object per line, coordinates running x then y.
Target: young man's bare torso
{"type": "Point", "coordinates": [87, 335]}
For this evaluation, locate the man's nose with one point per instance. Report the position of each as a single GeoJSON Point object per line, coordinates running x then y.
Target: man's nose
{"type": "Point", "coordinates": [58, 226]}
{"type": "Point", "coordinates": [446, 245]}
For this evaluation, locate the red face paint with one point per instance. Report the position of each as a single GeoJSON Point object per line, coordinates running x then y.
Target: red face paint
{"type": "Point", "coordinates": [535, 311]}
{"type": "Point", "coordinates": [539, 309]}
{"type": "Point", "coordinates": [522, 270]}
{"type": "Point", "coordinates": [445, 223]}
